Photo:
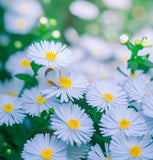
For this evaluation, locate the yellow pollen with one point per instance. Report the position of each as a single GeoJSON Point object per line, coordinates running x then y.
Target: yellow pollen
{"type": "Point", "coordinates": [135, 151]}
{"type": "Point", "coordinates": [47, 153]}
{"type": "Point", "coordinates": [8, 107]}
{"type": "Point", "coordinates": [149, 89]}
{"type": "Point", "coordinates": [51, 56]}
{"type": "Point", "coordinates": [25, 63]}
{"type": "Point", "coordinates": [105, 76]}
{"type": "Point", "coordinates": [14, 95]}
{"type": "Point", "coordinates": [133, 75]}
{"type": "Point", "coordinates": [40, 99]}
{"type": "Point", "coordinates": [20, 24]}
{"type": "Point", "coordinates": [65, 82]}
{"type": "Point", "coordinates": [108, 159]}
{"type": "Point", "coordinates": [74, 124]}
{"type": "Point", "coordinates": [108, 97]}
{"type": "Point", "coordinates": [144, 95]}
{"type": "Point", "coordinates": [124, 124]}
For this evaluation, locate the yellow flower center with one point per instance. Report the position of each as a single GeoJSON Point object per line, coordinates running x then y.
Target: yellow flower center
{"type": "Point", "coordinates": [108, 159]}
{"type": "Point", "coordinates": [51, 56]}
{"type": "Point", "coordinates": [135, 151]}
{"type": "Point", "coordinates": [20, 24]}
{"type": "Point", "coordinates": [133, 75]}
{"type": "Point", "coordinates": [47, 153]}
{"type": "Point", "coordinates": [25, 63]}
{"type": "Point", "coordinates": [14, 95]}
{"type": "Point", "coordinates": [8, 107]}
{"type": "Point", "coordinates": [108, 97]}
{"type": "Point", "coordinates": [40, 99]}
{"type": "Point", "coordinates": [65, 82]}
{"type": "Point", "coordinates": [149, 89]}
{"type": "Point", "coordinates": [124, 124]}
{"type": "Point", "coordinates": [74, 123]}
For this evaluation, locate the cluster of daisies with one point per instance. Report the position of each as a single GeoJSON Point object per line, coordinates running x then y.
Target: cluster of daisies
{"type": "Point", "coordinates": [125, 107]}
{"type": "Point", "coordinates": [18, 18]}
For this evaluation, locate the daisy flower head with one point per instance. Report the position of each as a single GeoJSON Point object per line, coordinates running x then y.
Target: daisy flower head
{"type": "Point", "coordinates": [18, 24]}
{"type": "Point", "coordinates": [137, 88]}
{"type": "Point", "coordinates": [11, 111]}
{"type": "Point", "coordinates": [72, 124]}
{"type": "Point", "coordinates": [131, 148]}
{"type": "Point", "coordinates": [96, 153]}
{"type": "Point", "coordinates": [11, 87]}
{"type": "Point", "coordinates": [121, 119]}
{"type": "Point", "coordinates": [106, 93]}
{"type": "Point", "coordinates": [19, 63]}
{"type": "Point", "coordinates": [81, 8]}
{"type": "Point", "coordinates": [26, 7]}
{"type": "Point", "coordinates": [34, 104]}
{"type": "Point", "coordinates": [147, 104]}
{"type": "Point", "coordinates": [44, 147]}
{"type": "Point", "coordinates": [67, 85]}
{"type": "Point", "coordinates": [77, 152]}
{"type": "Point", "coordinates": [50, 54]}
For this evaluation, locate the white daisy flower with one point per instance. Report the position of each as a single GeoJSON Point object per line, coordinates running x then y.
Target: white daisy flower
{"type": "Point", "coordinates": [67, 85]}
{"type": "Point", "coordinates": [6, 3]}
{"type": "Point", "coordinates": [137, 88]}
{"type": "Point", "coordinates": [72, 124]}
{"type": "Point", "coordinates": [95, 46]}
{"type": "Point", "coordinates": [18, 24]}
{"type": "Point", "coordinates": [149, 122]}
{"type": "Point", "coordinates": [44, 147]}
{"type": "Point", "coordinates": [96, 153]}
{"type": "Point", "coordinates": [11, 111]}
{"type": "Point", "coordinates": [81, 10]}
{"type": "Point", "coordinates": [120, 119]}
{"type": "Point", "coordinates": [11, 87]}
{"type": "Point", "coordinates": [105, 93]}
{"type": "Point", "coordinates": [131, 148]}
{"type": "Point", "coordinates": [19, 63]}
{"type": "Point", "coordinates": [50, 54]}
{"type": "Point", "coordinates": [26, 7]}
{"type": "Point", "coordinates": [77, 152]}
{"type": "Point", "coordinates": [118, 4]}
{"type": "Point", "coordinates": [147, 104]}
{"type": "Point", "coordinates": [34, 104]}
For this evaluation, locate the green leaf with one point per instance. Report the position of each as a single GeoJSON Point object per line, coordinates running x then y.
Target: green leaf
{"type": "Point", "coordinates": [35, 67]}
{"type": "Point", "coordinates": [24, 77]}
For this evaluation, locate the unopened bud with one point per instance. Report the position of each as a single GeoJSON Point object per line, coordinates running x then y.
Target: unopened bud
{"type": "Point", "coordinates": [124, 39]}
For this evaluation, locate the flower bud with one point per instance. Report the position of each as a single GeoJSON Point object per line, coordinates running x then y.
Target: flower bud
{"type": "Point", "coordinates": [124, 39]}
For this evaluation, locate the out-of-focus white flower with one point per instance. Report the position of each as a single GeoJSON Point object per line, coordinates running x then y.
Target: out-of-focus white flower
{"type": "Point", "coordinates": [44, 147]}
{"type": "Point", "coordinates": [84, 10]}
{"type": "Point", "coordinates": [71, 35]}
{"type": "Point", "coordinates": [18, 24]}
{"type": "Point", "coordinates": [19, 63]}
{"type": "Point", "coordinates": [30, 9]}
{"type": "Point", "coordinates": [6, 3]}
{"type": "Point", "coordinates": [11, 110]}
{"type": "Point", "coordinates": [118, 4]}
{"type": "Point", "coordinates": [12, 87]}
{"type": "Point", "coordinates": [124, 38]}
{"type": "Point", "coordinates": [95, 46]}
